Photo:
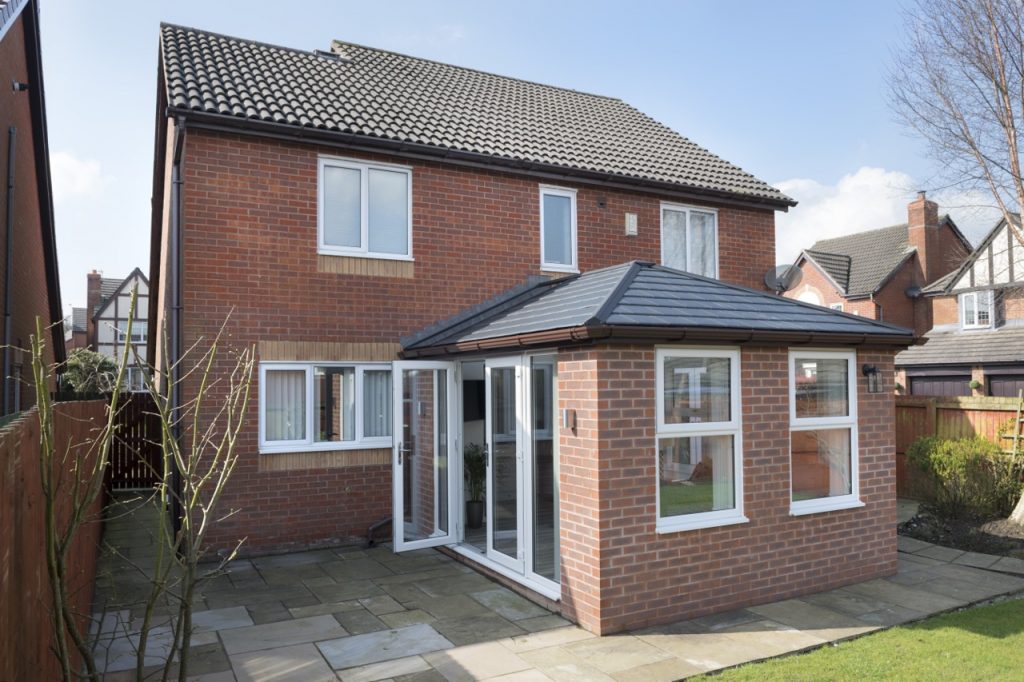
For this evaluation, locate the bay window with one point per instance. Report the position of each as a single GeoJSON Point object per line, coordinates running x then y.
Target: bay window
{"type": "Point", "coordinates": [365, 209]}
{"type": "Point", "coordinates": [689, 239]}
{"type": "Point", "coordinates": [823, 431]}
{"type": "Point", "coordinates": [699, 448]}
{"type": "Point", "coordinates": [322, 406]}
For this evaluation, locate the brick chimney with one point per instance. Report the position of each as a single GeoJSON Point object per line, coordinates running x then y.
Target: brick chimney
{"type": "Point", "coordinates": [923, 233]}
{"type": "Point", "coordinates": [93, 297]}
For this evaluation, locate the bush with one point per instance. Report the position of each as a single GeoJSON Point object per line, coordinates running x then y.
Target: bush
{"type": "Point", "coordinates": [969, 477]}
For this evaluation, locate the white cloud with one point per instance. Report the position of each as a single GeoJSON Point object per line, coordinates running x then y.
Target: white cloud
{"type": "Point", "coordinates": [864, 200]}
{"type": "Point", "coordinates": [74, 177]}
{"type": "Point", "coordinates": [428, 37]}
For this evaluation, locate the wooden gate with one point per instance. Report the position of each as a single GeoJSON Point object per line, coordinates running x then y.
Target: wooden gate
{"type": "Point", "coordinates": [135, 457]}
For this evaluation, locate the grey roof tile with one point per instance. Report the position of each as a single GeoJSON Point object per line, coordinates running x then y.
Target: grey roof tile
{"type": "Point", "coordinates": [646, 295]}
{"type": "Point", "coordinates": [1003, 344]}
{"type": "Point", "coordinates": [860, 263]}
{"type": "Point", "coordinates": [395, 97]}
{"type": "Point", "coordinates": [79, 319]}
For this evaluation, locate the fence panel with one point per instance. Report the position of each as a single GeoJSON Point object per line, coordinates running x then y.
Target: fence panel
{"type": "Point", "coordinates": [135, 458]}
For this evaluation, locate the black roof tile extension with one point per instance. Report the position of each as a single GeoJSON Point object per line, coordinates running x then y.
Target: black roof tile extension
{"type": "Point", "coordinates": [639, 294]}
{"type": "Point", "coordinates": [406, 100]}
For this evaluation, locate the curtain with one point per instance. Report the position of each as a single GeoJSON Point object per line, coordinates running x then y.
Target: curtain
{"type": "Point", "coordinates": [703, 256]}
{"type": "Point", "coordinates": [673, 233]}
{"type": "Point", "coordinates": [285, 393]}
{"type": "Point", "coordinates": [376, 403]}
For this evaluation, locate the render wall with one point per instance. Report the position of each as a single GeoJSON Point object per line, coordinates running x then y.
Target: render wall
{"type": "Point", "coordinates": [608, 498]}
{"type": "Point", "coordinates": [250, 249]}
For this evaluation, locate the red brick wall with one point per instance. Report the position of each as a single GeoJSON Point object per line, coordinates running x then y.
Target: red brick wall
{"type": "Point", "coordinates": [250, 245]}
{"type": "Point", "coordinates": [647, 578]}
{"type": "Point", "coordinates": [898, 308]}
{"type": "Point", "coordinates": [28, 277]}
{"type": "Point", "coordinates": [944, 310]}
{"type": "Point", "coordinates": [25, 629]}
{"type": "Point", "coordinates": [814, 280]}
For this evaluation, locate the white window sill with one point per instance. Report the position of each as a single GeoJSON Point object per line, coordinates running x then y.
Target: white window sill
{"type": "Point", "coordinates": [326, 447]}
{"type": "Point", "coordinates": [561, 269]}
{"type": "Point", "coordinates": [824, 504]}
{"type": "Point", "coordinates": [697, 521]}
{"type": "Point", "coordinates": [328, 251]}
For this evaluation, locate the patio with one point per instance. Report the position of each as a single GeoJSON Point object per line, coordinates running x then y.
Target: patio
{"type": "Point", "coordinates": [354, 614]}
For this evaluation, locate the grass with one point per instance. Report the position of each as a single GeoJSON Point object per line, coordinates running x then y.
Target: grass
{"type": "Point", "coordinates": [983, 643]}
{"type": "Point", "coordinates": [689, 498]}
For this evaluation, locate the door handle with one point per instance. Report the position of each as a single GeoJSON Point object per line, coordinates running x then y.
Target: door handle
{"type": "Point", "coordinates": [487, 456]}
{"type": "Point", "coordinates": [401, 451]}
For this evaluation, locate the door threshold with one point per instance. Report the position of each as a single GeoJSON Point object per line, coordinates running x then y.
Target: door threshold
{"type": "Point", "coordinates": [546, 588]}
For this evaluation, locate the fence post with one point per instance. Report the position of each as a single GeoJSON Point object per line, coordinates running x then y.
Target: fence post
{"type": "Point", "coordinates": [931, 420]}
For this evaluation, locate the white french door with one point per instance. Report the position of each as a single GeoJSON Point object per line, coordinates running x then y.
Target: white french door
{"type": "Point", "coordinates": [423, 480]}
{"type": "Point", "coordinates": [504, 439]}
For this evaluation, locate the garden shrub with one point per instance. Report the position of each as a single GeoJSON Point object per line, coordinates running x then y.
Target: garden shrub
{"type": "Point", "coordinates": [968, 477]}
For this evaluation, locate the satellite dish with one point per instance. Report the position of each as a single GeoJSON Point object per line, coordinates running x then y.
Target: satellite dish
{"type": "Point", "coordinates": [783, 278]}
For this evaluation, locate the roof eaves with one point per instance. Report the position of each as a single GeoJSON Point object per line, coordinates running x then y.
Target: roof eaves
{"type": "Point", "coordinates": [806, 255]}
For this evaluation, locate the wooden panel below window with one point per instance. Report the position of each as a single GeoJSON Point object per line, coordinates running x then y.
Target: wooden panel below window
{"type": "Point", "coordinates": [366, 267]}
{"type": "Point", "coordinates": [335, 459]}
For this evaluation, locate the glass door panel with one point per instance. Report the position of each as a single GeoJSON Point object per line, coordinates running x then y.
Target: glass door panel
{"type": "Point", "coordinates": [504, 473]}
{"type": "Point", "coordinates": [544, 471]}
{"type": "Point", "coordinates": [423, 442]}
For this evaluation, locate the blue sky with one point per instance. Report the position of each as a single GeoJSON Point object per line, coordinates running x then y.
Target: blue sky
{"type": "Point", "coordinates": [793, 92]}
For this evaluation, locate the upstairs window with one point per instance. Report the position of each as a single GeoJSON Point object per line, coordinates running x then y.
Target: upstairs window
{"type": "Point", "coordinates": [976, 310]}
{"type": "Point", "coordinates": [689, 239]}
{"type": "Point", "coordinates": [365, 209]}
{"type": "Point", "coordinates": [558, 229]}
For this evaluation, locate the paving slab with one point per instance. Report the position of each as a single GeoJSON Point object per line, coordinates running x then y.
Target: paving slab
{"type": "Point", "coordinates": [817, 621]}
{"type": "Point", "coordinates": [546, 638]}
{"type": "Point", "coordinates": [771, 638]}
{"type": "Point", "coordinates": [360, 621]}
{"type": "Point", "coordinates": [276, 635]}
{"type": "Point", "coordinates": [976, 559]}
{"type": "Point", "coordinates": [346, 591]}
{"type": "Point", "coordinates": [221, 619]}
{"type": "Point", "coordinates": [445, 586]}
{"type": "Point", "coordinates": [456, 606]}
{"type": "Point", "coordinates": [706, 651]}
{"type": "Point", "coordinates": [727, 619]}
{"type": "Point", "coordinates": [380, 605]}
{"type": "Point", "coordinates": [548, 622]}
{"type": "Point", "coordinates": [940, 553]}
{"type": "Point", "coordinates": [908, 597]}
{"type": "Point", "coordinates": [476, 662]}
{"type": "Point", "coordinates": [325, 609]}
{"type": "Point", "coordinates": [508, 604]}
{"type": "Point", "coordinates": [616, 653]}
{"type": "Point", "coordinates": [1009, 565]}
{"type": "Point", "coordinates": [909, 544]}
{"type": "Point", "coordinates": [662, 671]}
{"type": "Point", "coordinates": [299, 663]}
{"type": "Point", "coordinates": [374, 647]}
{"type": "Point", "coordinates": [356, 569]}
{"type": "Point", "coordinates": [475, 629]}
{"type": "Point", "coordinates": [385, 670]}
{"type": "Point", "coordinates": [403, 618]}
{"type": "Point", "coordinates": [564, 666]}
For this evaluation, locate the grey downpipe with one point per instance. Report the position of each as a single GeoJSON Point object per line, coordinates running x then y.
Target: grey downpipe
{"type": "Point", "coordinates": [175, 336]}
{"type": "Point", "coordinates": [12, 138]}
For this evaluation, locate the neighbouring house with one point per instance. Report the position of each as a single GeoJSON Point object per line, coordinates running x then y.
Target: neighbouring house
{"type": "Point", "coordinates": [29, 284]}
{"type": "Point", "coordinates": [76, 329]}
{"type": "Point", "coordinates": [103, 324]}
{"type": "Point", "coordinates": [978, 332]}
{"type": "Point", "coordinates": [879, 274]}
{"type": "Point", "coordinates": [433, 261]}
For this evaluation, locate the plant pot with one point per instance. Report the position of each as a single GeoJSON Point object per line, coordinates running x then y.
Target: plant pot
{"type": "Point", "coordinates": [474, 513]}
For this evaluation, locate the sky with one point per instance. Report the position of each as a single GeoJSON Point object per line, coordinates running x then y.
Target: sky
{"type": "Point", "coordinates": [793, 92]}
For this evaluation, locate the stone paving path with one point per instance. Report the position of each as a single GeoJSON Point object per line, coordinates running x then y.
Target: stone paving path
{"type": "Point", "coordinates": [361, 615]}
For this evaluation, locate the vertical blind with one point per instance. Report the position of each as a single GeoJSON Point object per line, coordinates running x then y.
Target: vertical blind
{"type": "Point", "coordinates": [285, 394]}
{"type": "Point", "coordinates": [376, 403]}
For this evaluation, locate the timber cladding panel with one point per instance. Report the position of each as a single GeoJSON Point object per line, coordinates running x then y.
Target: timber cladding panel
{"type": "Point", "coordinates": [646, 578]}
{"type": "Point", "coordinates": [250, 249]}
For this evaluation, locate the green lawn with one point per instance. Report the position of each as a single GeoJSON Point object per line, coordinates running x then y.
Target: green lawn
{"type": "Point", "coordinates": [984, 643]}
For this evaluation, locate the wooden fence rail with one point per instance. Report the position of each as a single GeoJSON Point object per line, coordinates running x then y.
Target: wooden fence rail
{"type": "Point", "coordinates": [946, 417]}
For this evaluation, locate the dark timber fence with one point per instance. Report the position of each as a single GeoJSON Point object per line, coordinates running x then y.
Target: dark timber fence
{"type": "Point", "coordinates": [135, 458]}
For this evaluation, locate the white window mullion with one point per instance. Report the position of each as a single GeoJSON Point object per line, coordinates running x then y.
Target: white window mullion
{"type": "Point", "coordinates": [364, 209]}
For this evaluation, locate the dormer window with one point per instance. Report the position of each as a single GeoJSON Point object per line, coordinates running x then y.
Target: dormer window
{"type": "Point", "coordinates": [976, 310]}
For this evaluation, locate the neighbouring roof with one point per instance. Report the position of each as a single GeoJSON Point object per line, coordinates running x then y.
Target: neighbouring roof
{"type": "Point", "coordinates": [946, 284]}
{"type": "Point", "coordinates": [79, 319]}
{"type": "Point", "coordinates": [112, 286]}
{"type": "Point", "coordinates": [419, 104]}
{"type": "Point", "coordinates": [643, 300]}
{"type": "Point", "coordinates": [861, 263]}
{"type": "Point", "coordinates": [960, 347]}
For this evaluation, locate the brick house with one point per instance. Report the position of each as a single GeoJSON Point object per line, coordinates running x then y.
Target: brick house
{"type": "Point", "coordinates": [29, 283]}
{"type": "Point", "coordinates": [977, 335]}
{"type": "Point", "coordinates": [543, 273]}
{"type": "Point", "coordinates": [879, 273]}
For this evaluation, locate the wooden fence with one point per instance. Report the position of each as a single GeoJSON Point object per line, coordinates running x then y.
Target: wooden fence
{"type": "Point", "coordinates": [135, 457]}
{"type": "Point", "coordinates": [946, 417]}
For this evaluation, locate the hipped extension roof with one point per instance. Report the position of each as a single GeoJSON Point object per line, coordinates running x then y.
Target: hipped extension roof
{"type": "Point", "coordinates": [374, 97]}
{"type": "Point", "coordinates": [641, 301]}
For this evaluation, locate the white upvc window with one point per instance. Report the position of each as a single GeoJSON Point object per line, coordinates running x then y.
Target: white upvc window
{"type": "Point", "coordinates": [364, 209]}
{"type": "Point", "coordinates": [836, 306]}
{"type": "Point", "coordinates": [824, 457]}
{"type": "Point", "coordinates": [976, 310]}
{"type": "Point", "coordinates": [558, 229]}
{"type": "Point", "coordinates": [314, 406]}
{"type": "Point", "coordinates": [689, 239]}
{"type": "Point", "coordinates": [699, 444]}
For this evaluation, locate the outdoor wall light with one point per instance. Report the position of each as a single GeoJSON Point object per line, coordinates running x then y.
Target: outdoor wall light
{"type": "Point", "coordinates": [874, 378]}
{"type": "Point", "coordinates": [569, 419]}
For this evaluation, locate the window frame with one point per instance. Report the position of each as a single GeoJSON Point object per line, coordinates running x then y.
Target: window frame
{"type": "Point", "coordinates": [364, 168]}
{"type": "Point", "coordinates": [837, 307]}
{"type": "Point", "coordinates": [686, 208]}
{"type": "Point", "coordinates": [733, 427]}
{"type": "Point", "coordinates": [849, 421]}
{"type": "Point", "coordinates": [990, 306]}
{"type": "Point", "coordinates": [309, 444]}
{"type": "Point", "coordinates": [569, 193]}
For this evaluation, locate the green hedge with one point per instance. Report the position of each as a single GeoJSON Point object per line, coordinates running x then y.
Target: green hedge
{"type": "Point", "coordinates": [969, 477]}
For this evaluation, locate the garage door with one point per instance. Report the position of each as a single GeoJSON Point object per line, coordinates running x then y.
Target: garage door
{"type": "Point", "coordinates": [940, 385]}
{"type": "Point", "coordinates": [1005, 386]}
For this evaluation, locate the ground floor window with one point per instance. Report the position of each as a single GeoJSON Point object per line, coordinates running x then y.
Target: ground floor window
{"type": "Point", "coordinates": [823, 431]}
{"type": "Point", "coordinates": [321, 406]}
{"type": "Point", "coordinates": [699, 450]}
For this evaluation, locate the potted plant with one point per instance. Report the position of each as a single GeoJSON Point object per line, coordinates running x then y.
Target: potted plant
{"type": "Point", "coordinates": [474, 465]}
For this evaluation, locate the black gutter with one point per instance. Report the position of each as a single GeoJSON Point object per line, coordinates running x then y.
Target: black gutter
{"type": "Point", "coordinates": [12, 140]}
{"type": "Point", "coordinates": [416, 150]}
